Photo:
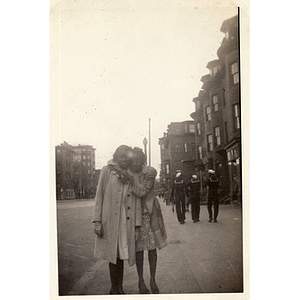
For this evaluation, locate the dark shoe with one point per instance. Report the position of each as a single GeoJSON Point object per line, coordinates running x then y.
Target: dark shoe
{"type": "Point", "coordinates": [215, 221]}
{"type": "Point", "coordinates": [114, 292]}
{"type": "Point", "coordinates": [209, 220]}
{"type": "Point", "coordinates": [154, 287]}
{"type": "Point", "coordinates": [143, 288]}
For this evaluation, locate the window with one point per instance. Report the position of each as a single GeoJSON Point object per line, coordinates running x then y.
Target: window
{"type": "Point", "coordinates": [208, 113]}
{"type": "Point", "coordinates": [217, 136]}
{"type": "Point", "coordinates": [209, 142]}
{"type": "Point", "coordinates": [215, 103]}
{"type": "Point", "coordinates": [167, 169]}
{"type": "Point", "coordinates": [193, 147]}
{"type": "Point", "coordinates": [236, 116]}
{"type": "Point", "coordinates": [213, 71]}
{"type": "Point", "coordinates": [83, 156]}
{"type": "Point", "coordinates": [235, 73]}
{"type": "Point", "coordinates": [228, 36]}
{"type": "Point", "coordinates": [197, 105]}
{"type": "Point", "coordinates": [185, 148]}
{"type": "Point", "coordinates": [58, 150]}
{"type": "Point", "coordinates": [177, 148]}
{"type": "Point", "coordinates": [200, 152]}
{"type": "Point", "coordinates": [198, 128]}
{"type": "Point", "coordinates": [192, 128]}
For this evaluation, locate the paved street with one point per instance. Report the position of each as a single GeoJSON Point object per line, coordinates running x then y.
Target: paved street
{"type": "Point", "coordinates": [200, 257]}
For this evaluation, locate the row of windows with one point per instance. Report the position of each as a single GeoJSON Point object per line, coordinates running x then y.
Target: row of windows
{"type": "Point", "coordinates": [208, 118]}
{"type": "Point", "coordinates": [189, 128]}
{"type": "Point", "coordinates": [186, 148]}
{"type": "Point", "coordinates": [217, 137]}
{"type": "Point", "coordinates": [234, 72]}
{"type": "Point", "coordinates": [235, 80]}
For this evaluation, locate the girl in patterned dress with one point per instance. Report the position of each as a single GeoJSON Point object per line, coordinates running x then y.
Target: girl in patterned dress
{"type": "Point", "coordinates": [151, 235]}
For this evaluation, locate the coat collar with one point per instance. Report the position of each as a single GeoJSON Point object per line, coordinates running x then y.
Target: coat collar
{"type": "Point", "coordinates": [111, 164]}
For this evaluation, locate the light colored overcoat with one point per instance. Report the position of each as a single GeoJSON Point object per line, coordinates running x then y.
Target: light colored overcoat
{"type": "Point", "coordinates": [107, 210]}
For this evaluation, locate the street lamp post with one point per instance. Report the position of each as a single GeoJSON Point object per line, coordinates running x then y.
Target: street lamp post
{"type": "Point", "coordinates": [149, 159]}
{"type": "Point", "coordinates": [145, 142]}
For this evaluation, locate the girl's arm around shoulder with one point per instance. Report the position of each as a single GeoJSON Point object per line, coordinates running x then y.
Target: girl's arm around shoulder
{"type": "Point", "coordinates": [142, 189]}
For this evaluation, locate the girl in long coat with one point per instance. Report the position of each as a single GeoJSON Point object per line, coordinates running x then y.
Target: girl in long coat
{"type": "Point", "coordinates": [115, 218]}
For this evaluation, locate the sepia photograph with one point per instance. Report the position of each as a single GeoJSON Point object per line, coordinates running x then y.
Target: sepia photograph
{"type": "Point", "coordinates": [148, 138]}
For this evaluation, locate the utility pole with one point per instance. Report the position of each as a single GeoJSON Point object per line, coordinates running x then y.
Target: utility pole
{"type": "Point", "coordinates": [149, 142]}
{"type": "Point", "coordinates": [145, 142]}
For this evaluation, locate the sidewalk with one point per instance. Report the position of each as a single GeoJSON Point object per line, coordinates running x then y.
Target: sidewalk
{"type": "Point", "coordinates": [200, 258]}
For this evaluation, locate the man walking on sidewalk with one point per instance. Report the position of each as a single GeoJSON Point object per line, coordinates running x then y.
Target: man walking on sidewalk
{"type": "Point", "coordinates": [178, 196]}
{"type": "Point", "coordinates": [212, 183]}
{"type": "Point", "coordinates": [194, 195]}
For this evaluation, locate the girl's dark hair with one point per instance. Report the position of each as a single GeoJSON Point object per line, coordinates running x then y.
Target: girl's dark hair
{"type": "Point", "coordinates": [119, 149]}
{"type": "Point", "coordinates": [138, 152]}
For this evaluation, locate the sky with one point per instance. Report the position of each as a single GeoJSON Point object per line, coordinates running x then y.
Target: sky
{"type": "Point", "coordinates": [116, 64]}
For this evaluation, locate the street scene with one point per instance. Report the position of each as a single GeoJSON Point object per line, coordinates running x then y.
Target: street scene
{"type": "Point", "coordinates": [148, 148]}
{"type": "Point", "coordinates": [200, 257]}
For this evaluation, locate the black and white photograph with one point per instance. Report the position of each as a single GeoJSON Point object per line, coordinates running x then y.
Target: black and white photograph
{"type": "Point", "coordinates": [149, 167]}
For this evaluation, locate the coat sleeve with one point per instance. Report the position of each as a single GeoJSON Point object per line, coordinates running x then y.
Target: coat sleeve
{"type": "Point", "coordinates": [142, 189]}
{"type": "Point", "coordinates": [103, 179]}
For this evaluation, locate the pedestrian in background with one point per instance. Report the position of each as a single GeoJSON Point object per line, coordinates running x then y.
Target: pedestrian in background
{"type": "Point", "coordinates": [212, 184]}
{"type": "Point", "coordinates": [178, 197]}
{"type": "Point", "coordinates": [193, 188]}
{"type": "Point", "coordinates": [114, 223]}
{"type": "Point", "coordinates": [152, 233]}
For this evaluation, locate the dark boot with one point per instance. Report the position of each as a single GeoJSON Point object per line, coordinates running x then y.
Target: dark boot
{"type": "Point", "coordinates": [120, 264]}
{"type": "Point", "coordinates": [114, 277]}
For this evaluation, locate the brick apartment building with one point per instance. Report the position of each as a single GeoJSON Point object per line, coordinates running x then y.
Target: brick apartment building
{"type": "Point", "coordinates": [75, 171]}
{"type": "Point", "coordinates": [178, 151]}
{"type": "Point", "coordinates": [64, 171]}
{"type": "Point", "coordinates": [217, 115]}
{"type": "Point", "coordinates": [213, 139]}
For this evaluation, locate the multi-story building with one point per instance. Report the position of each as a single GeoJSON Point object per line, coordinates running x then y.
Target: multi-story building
{"type": "Point", "coordinates": [178, 152]}
{"type": "Point", "coordinates": [75, 171]}
{"type": "Point", "coordinates": [64, 171]}
{"type": "Point", "coordinates": [217, 115]}
{"type": "Point", "coordinates": [84, 170]}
